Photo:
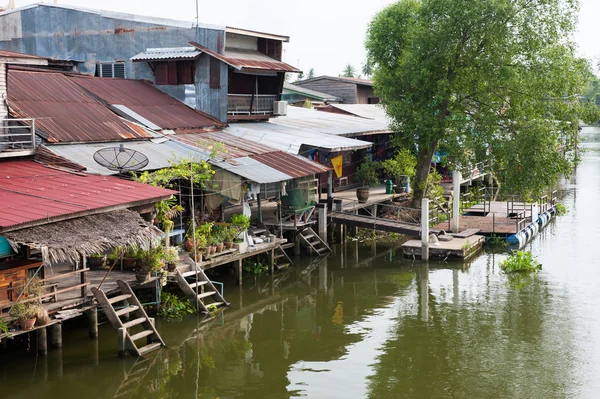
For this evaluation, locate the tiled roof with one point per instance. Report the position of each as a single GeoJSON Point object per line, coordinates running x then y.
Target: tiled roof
{"type": "Point", "coordinates": [33, 194]}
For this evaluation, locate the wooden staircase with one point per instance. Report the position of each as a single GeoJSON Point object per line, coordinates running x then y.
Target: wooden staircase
{"type": "Point", "coordinates": [133, 377]}
{"type": "Point", "coordinates": [137, 318]}
{"type": "Point", "coordinates": [312, 242]}
{"type": "Point", "coordinates": [281, 254]}
{"type": "Point", "coordinates": [205, 289]}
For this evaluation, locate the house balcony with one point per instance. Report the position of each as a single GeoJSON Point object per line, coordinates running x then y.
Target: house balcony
{"type": "Point", "coordinates": [17, 137]}
{"type": "Point", "coordinates": [250, 106]}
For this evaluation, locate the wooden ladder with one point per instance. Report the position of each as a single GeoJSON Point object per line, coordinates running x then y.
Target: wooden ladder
{"type": "Point", "coordinates": [311, 241]}
{"type": "Point", "coordinates": [138, 318]}
{"type": "Point", "coordinates": [279, 254]}
{"type": "Point", "coordinates": [206, 289]}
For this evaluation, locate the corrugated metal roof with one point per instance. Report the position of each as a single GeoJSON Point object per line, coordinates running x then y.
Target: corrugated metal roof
{"type": "Point", "coordinates": [159, 153]}
{"type": "Point", "coordinates": [359, 81]}
{"type": "Point", "coordinates": [32, 194]}
{"type": "Point", "coordinates": [248, 32]}
{"type": "Point", "coordinates": [375, 112]}
{"type": "Point", "coordinates": [248, 59]}
{"type": "Point", "coordinates": [14, 54]}
{"type": "Point", "coordinates": [309, 92]}
{"type": "Point", "coordinates": [63, 111]}
{"type": "Point", "coordinates": [290, 138]}
{"type": "Point", "coordinates": [253, 170]}
{"type": "Point", "coordinates": [233, 146]}
{"type": "Point", "coordinates": [149, 102]}
{"type": "Point", "coordinates": [331, 123]}
{"type": "Point", "coordinates": [167, 53]}
{"type": "Point", "coordinates": [290, 164]}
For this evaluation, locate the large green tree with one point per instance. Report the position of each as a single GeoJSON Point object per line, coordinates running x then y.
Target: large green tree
{"type": "Point", "coordinates": [483, 78]}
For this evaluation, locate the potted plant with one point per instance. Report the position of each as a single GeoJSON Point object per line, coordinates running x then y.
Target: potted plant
{"type": "Point", "coordinates": [401, 168]}
{"type": "Point", "coordinates": [96, 261]}
{"type": "Point", "coordinates": [26, 313]}
{"type": "Point", "coordinates": [218, 240]}
{"type": "Point", "coordinates": [367, 175]}
{"type": "Point", "coordinates": [171, 257]}
{"type": "Point", "coordinates": [241, 222]}
{"type": "Point", "coordinates": [230, 234]}
{"type": "Point", "coordinates": [150, 261]}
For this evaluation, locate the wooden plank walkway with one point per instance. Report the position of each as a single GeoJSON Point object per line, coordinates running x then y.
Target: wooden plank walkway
{"type": "Point", "coordinates": [388, 225]}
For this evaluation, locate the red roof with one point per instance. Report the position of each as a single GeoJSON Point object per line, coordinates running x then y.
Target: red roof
{"type": "Point", "coordinates": [14, 54]}
{"type": "Point", "coordinates": [33, 194]}
{"type": "Point", "coordinates": [147, 101]}
{"type": "Point", "coordinates": [290, 164]}
{"type": "Point", "coordinates": [64, 112]}
{"type": "Point", "coordinates": [246, 63]}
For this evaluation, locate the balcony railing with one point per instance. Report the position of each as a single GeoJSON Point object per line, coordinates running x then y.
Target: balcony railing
{"type": "Point", "coordinates": [249, 104]}
{"type": "Point", "coordinates": [17, 137]}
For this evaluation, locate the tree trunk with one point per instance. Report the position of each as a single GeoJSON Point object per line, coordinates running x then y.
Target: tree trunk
{"type": "Point", "coordinates": [423, 166]}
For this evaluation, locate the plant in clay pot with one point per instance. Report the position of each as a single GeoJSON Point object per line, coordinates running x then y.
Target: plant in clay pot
{"type": "Point", "coordinates": [230, 234]}
{"type": "Point", "coordinates": [150, 261]}
{"type": "Point", "coordinates": [171, 257]}
{"type": "Point", "coordinates": [26, 313]}
{"type": "Point", "coordinates": [367, 175]}
{"type": "Point", "coordinates": [96, 261]}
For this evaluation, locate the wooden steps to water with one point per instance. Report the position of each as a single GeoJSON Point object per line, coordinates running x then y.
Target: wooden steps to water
{"type": "Point", "coordinates": [138, 317]}
{"type": "Point", "coordinates": [201, 291]}
{"type": "Point", "coordinates": [312, 242]}
{"type": "Point", "coordinates": [281, 260]}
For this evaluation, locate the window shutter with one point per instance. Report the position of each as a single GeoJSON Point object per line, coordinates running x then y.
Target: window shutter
{"type": "Point", "coordinates": [119, 70]}
{"type": "Point", "coordinates": [161, 74]}
{"type": "Point", "coordinates": [215, 73]}
{"type": "Point", "coordinates": [172, 71]}
{"type": "Point", "coordinates": [185, 72]}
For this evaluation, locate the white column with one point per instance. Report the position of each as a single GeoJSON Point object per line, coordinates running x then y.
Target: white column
{"type": "Point", "coordinates": [456, 178]}
{"type": "Point", "coordinates": [425, 229]}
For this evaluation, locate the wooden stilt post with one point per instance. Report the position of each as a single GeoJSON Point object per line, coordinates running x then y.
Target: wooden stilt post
{"type": "Point", "coordinates": [83, 280]}
{"type": "Point", "coordinates": [272, 261]}
{"type": "Point", "coordinates": [239, 273]}
{"type": "Point", "coordinates": [296, 243]}
{"type": "Point", "coordinates": [42, 342]}
{"type": "Point", "coordinates": [425, 229]}
{"type": "Point", "coordinates": [55, 335]}
{"type": "Point", "coordinates": [456, 178]}
{"type": "Point", "coordinates": [121, 333]}
{"type": "Point", "coordinates": [92, 315]}
{"type": "Point", "coordinates": [260, 217]}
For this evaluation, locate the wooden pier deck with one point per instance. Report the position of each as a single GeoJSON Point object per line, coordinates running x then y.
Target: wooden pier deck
{"type": "Point", "coordinates": [392, 226]}
{"type": "Point", "coordinates": [457, 248]}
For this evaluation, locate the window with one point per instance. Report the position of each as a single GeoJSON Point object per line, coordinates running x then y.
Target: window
{"type": "Point", "coordinates": [111, 70]}
{"type": "Point", "coordinates": [174, 72]}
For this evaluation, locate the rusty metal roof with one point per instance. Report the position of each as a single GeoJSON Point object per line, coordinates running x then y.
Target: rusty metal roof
{"type": "Point", "coordinates": [33, 194]}
{"type": "Point", "coordinates": [233, 146]}
{"type": "Point", "coordinates": [248, 60]}
{"type": "Point", "coordinates": [167, 53]}
{"type": "Point", "coordinates": [63, 111]}
{"type": "Point", "coordinates": [14, 54]}
{"type": "Point", "coordinates": [292, 165]}
{"type": "Point", "coordinates": [147, 101]}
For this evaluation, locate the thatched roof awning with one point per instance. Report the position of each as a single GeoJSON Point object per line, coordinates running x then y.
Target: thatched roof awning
{"type": "Point", "coordinates": [69, 240]}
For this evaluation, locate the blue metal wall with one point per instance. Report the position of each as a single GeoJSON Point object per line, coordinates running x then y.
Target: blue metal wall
{"type": "Point", "coordinates": [90, 37]}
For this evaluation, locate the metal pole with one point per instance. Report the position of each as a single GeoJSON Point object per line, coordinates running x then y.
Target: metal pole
{"type": "Point", "coordinates": [456, 178]}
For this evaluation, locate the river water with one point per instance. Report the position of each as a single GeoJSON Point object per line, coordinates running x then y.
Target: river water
{"type": "Point", "coordinates": [367, 323]}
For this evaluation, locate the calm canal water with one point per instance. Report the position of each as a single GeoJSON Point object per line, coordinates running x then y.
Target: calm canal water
{"type": "Point", "coordinates": [367, 323]}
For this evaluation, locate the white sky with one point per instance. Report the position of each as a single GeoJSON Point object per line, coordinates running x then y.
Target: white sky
{"type": "Point", "coordinates": [325, 34]}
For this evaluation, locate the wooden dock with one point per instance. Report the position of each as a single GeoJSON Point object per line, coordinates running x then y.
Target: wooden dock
{"type": "Point", "coordinates": [388, 225]}
{"type": "Point", "coordinates": [456, 248]}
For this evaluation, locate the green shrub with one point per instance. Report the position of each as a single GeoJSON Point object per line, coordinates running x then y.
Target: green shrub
{"type": "Point", "coordinates": [172, 307]}
{"type": "Point", "coordinates": [520, 262]}
{"type": "Point", "coordinates": [560, 209]}
{"type": "Point", "coordinates": [25, 310]}
{"type": "Point", "coordinates": [3, 327]}
{"type": "Point", "coordinates": [255, 268]}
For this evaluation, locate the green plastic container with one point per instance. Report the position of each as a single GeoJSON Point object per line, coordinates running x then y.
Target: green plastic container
{"type": "Point", "coordinates": [5, 248]}
{"type": "Point", "coordinates": [389, 186]}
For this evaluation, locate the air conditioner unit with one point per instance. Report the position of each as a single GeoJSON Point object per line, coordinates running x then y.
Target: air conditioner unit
{"type": "Point", "coordinates": [280, 108]}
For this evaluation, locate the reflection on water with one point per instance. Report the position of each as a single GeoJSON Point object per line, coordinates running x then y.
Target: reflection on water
{"type": "Point", "coordinates": [367, 323]}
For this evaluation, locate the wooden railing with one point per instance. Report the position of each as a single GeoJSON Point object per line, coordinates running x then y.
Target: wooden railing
{"type": "Point", "coordinates": [250, 104]}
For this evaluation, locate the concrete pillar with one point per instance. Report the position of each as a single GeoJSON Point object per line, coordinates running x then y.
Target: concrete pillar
{"type": "Point", "coordinates": [425, 229]}
{"type": "Point", "coordinates": [121, 345]}
{"type": "Point", "coordinates": [330, 184]}
{"type": "Point", "coordinates": [337, 205]}
{"type": "Point", "coordinates": [456, 178]}
{"type": "Point", "coordinates": [92, 315]}
{"type": "Point", "coordinates": [55, 335]}
{"type": "Point", "coordinates": [322, 222]}
{"type": "Point", "coordinates": [455, 289]}
{"type": "Point", "coordinates": [42, 342]}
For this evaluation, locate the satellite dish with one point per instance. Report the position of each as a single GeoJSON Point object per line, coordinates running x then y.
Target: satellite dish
{"type": "Point", "coordinates": [121, 159]}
